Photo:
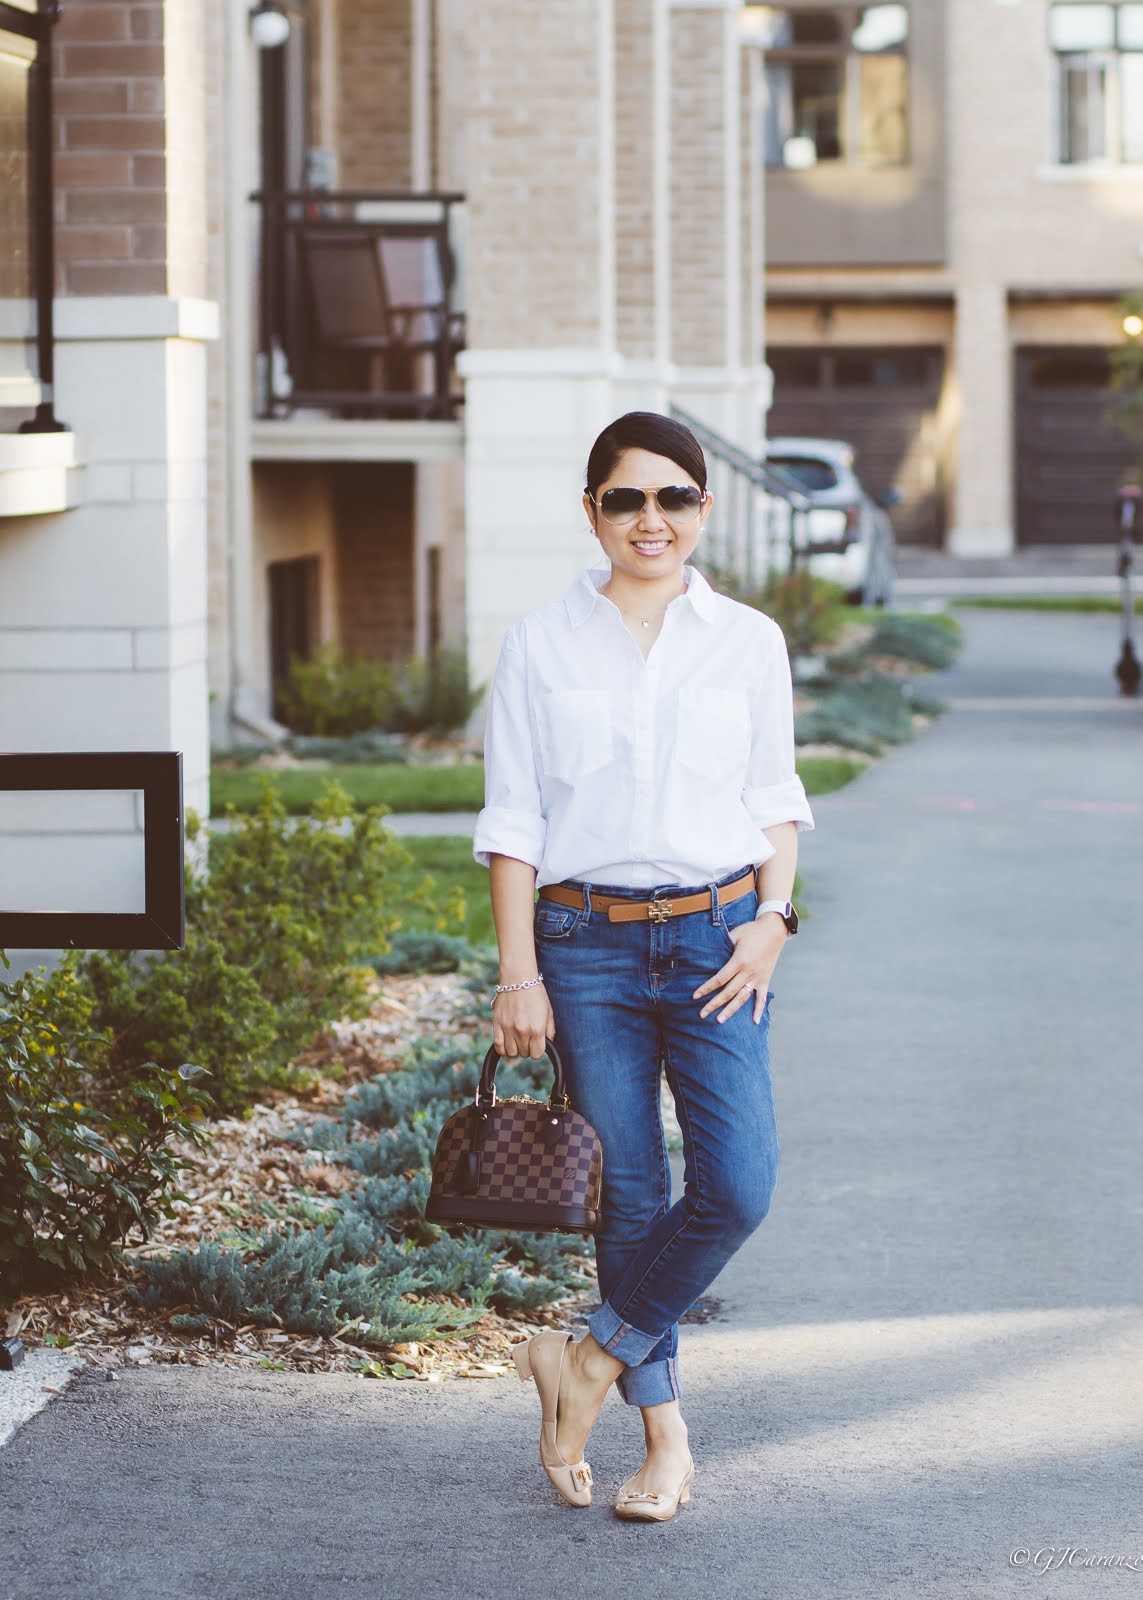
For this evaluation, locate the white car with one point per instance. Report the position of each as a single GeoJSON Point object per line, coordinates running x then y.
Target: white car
{"type": "Point", "coordinates": [846, 536]}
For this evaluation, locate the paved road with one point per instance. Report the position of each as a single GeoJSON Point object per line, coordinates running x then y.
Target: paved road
{"type": "Point", "coordinates": [931, 1352]}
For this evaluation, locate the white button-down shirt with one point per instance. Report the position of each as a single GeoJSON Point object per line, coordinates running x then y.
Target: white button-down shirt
{"type": "Point", "coordinates": [603, 766]}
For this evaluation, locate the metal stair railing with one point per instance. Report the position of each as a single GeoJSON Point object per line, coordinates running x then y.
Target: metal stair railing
{"type": "Point", "coordinates": [757, 507]}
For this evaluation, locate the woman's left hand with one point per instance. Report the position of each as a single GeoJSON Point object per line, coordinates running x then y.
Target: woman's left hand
{"type": "Point", "coordinates": [747, 973]}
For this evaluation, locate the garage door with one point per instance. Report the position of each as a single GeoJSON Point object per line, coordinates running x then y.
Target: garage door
{"type": "Point", "coordinates": [1070, 456]}
{"type": "Point", "coordinates": [884, 403]}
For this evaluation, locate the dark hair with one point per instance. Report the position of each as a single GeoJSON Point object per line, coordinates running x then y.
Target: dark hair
{"type": "Point", "coordinates": [645, 430]}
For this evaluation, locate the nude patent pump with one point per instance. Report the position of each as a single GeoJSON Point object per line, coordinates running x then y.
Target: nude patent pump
{"type": "Point", "coordinates": [541, 1358]}
{"type": "Point", "coordinates": [653, 1507]}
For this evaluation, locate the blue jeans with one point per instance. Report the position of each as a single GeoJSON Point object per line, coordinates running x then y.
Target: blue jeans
{"type": "Point", "coordinates": [621, 994]}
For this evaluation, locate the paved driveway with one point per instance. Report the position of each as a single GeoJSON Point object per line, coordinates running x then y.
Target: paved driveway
{"type": "Point", "coordinates": [930, 1354]}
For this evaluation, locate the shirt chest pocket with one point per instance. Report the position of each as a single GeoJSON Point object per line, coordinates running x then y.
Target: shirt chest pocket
{"type": "Point", "coordinates": [712, 734]}
{"type": "Point", "coordinates": [575, 732]}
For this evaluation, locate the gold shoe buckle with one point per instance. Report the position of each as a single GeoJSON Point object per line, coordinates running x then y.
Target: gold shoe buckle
{"type": "Point", "coordinates": [659, 910]}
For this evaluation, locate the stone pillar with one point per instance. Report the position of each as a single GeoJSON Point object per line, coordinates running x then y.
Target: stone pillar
{"type": "Point", "coordinates": [103, 605]}
{"type": "Point", "coordinates": [983, 519]}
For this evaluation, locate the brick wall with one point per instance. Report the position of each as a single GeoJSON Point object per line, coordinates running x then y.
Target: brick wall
{"type": "Point", "coordinates": [634, 178]}
{"type": "Point", "coordinates": [375, 113]}
{"type": "Point", "coordinates": [373, 514]}
{"type": "Point", "coordinates": [108, 62]}
{"type": "Point", "coordinates": [752, 199]}
{"type": "Point", "coordinates": [533, 159]}
{"type": "Point", "coordinates": [698, 308]}
{"type": "Point", "coordinates": [129, 147]}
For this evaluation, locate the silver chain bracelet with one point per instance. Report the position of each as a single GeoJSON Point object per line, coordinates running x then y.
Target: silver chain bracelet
{"type": "Point", "coordinates": [504, 988]}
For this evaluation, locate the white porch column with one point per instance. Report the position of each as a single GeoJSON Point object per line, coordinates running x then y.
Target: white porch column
{"type": "Point", "coordinates": [103, 606]}
{"type": "Point", "coordinates": [983, 517]}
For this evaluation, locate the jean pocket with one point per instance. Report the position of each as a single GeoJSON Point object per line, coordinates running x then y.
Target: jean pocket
{"type": "Point", "coordinates": [736, 915]}
{"type": "Point", "coordinates": [575, 732]}
{"type": "Point", "coordinates": [553, 921]}
{"type": "Point", "coordinates": [712, 731]}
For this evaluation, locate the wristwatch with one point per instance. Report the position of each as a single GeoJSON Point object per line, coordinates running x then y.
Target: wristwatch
{"type": "Point", "coordinates": [784, 909]}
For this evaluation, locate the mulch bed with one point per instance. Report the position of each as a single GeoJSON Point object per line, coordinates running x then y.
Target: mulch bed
{"type": "Point", "coordinates": [234, 1186]}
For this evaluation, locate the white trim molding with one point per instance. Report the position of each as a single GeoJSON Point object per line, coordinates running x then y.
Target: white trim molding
{"type": "Point", "coordinates": [330, 439]}
{"type": "Point", "coordinates": [572, 362]}
{"type": "Point", "coordinates": [135, 316]}
{"type": "Point", "coordinates": [39, 473]}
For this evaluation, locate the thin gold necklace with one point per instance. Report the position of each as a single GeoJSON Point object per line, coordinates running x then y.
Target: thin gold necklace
{"type": "Point", "coordinates": [647, 621]}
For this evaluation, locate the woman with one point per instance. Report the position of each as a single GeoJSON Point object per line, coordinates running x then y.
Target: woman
{"type": "Point", "coordinates": [640, 770]}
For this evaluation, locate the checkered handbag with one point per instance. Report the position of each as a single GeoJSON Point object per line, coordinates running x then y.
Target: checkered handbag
{"type": "Point", "coordinates": [517, 1163]}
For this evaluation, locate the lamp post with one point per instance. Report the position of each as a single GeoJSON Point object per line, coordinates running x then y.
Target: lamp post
{"type": "Point", "coordinates": [1127, 668]}
{"type": "Point", "coordinates": [269, 25]}
{"type": "Point", "coordinates": [1127, 503]}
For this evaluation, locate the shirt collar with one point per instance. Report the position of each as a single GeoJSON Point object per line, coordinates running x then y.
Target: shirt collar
{"type": "Point", "coordinates": [583, 596]}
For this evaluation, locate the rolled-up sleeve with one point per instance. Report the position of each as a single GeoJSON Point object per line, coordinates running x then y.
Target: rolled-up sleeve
{"type": "Point", "coordinates": [773, 792]}
{"type": "Point", "coordinates": [512, 822]}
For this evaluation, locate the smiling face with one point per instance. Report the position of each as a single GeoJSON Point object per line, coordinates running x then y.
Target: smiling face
{"type": "Point", "coordinates": [650, 544]}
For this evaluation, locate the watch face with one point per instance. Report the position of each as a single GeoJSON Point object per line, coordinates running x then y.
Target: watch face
{"type": "Point", "coordinates": [791, 919]}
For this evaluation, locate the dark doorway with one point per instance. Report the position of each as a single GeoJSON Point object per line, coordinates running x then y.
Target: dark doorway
{"type": "Point", "coordinates": [1070, 455]}
{"type": "Point", "coordinates": [294, 601]}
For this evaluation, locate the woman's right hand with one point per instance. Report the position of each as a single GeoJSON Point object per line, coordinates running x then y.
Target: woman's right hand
{"type": "Point", "coordinates": [522, 1022]}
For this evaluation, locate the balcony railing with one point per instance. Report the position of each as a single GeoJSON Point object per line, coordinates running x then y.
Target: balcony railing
{"type": "Point", "coordinates": [359, 303]}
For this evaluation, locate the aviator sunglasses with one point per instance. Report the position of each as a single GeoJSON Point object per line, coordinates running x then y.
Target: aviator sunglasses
{"type": "Point", "coordinates": [678, 502]}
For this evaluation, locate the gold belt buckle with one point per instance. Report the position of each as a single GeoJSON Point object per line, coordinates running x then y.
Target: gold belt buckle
{"type": "Point", "coordinates": [659, 910]}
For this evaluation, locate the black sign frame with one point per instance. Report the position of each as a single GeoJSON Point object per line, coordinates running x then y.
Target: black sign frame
{"type": "Point", "coordinates": [162, 925]}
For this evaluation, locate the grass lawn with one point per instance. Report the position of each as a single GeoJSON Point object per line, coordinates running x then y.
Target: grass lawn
{"type": "Point", "coordinates": [422, 788]}
{"type": "Point", "coordinates": [1058, 602]}
{"type": "Point", "coordinates": [875, 614]}
{"type": "Point", "coordinates": [824, 774]}
{"type": "Point", "coordinates": [401, 788]}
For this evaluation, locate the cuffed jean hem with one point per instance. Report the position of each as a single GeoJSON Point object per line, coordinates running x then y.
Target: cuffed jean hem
{"type": "Point", "coordinates": [642, 1382]}
{"type": "Point", "coordinates": [651, 1383]}
{"type": "Point", "coordinates": [619, 1338]}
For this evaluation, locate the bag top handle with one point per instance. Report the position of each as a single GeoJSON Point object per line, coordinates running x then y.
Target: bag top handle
{"type": "Point", "coordinates": [486, 1088]}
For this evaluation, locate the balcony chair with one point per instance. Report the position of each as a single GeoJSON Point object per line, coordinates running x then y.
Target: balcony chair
{"type": "Point", "coordinates": [354, 318]}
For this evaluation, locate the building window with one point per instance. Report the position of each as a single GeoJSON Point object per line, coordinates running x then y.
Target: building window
{"type": "Point", "coordinates": [1099, 67]}
{"type": "Point", "coordinates": [837, 84]}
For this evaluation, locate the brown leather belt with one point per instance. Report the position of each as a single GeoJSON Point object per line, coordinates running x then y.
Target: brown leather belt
{"type": "Point", "coordinates": [620, 910]}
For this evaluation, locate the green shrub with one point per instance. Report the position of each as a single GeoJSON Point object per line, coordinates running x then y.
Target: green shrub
{"type": "Point", "coordinates": [371, 748]}
{"type": "Point", "coordinates": [858, 713]}
{"type": "Point", "coordinates": [434, 694]}
{"type": "Point", "coordinates": [277, 932]}
{"type": "Point", "coordinates": [423, 952]}
{"type": "Point", "coordinates": [810, 611]}
{"type": "Point", "coordinates": [329, 694]}
{"type": "Point", "coordinates": [310, 1282]}
{"type": "Point", "coordinates": [928, 642]}
{"type": "Point", "coordinates": [379, 1261]}
{"type": "Point", "coordinates": [76, 1178]}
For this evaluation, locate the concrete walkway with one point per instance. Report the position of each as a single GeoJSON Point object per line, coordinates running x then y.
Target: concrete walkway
{"type": "Point", "coordinates": [929, 1356]}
